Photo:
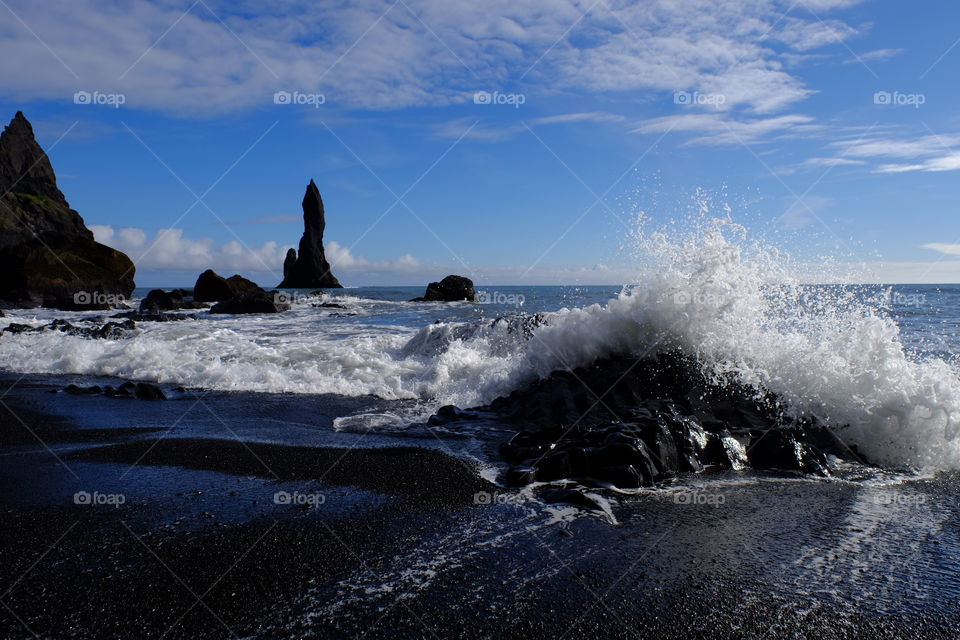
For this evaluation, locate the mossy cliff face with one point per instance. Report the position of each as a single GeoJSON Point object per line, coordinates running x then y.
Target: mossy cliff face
{"type": "Point", "coordinates": [47, 254]}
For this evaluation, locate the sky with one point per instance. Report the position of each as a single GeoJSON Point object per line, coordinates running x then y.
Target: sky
{"type": "Point", "coordinates": [514, 142]}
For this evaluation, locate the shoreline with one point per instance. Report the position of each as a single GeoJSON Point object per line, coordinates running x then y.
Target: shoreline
{"type": "Point", "coordinates": [398, 547]}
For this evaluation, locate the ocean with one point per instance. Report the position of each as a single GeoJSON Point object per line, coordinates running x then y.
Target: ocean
{"type": "Point", "coordinates": [868, 552]}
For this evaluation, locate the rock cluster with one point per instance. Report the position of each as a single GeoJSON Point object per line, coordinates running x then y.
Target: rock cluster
{"type": "Point", "coordinates": [129, 389]}
{"type": "Point", "coordinates": [109, 331]}
{"type": "Point", "coordinates": [631, 424]}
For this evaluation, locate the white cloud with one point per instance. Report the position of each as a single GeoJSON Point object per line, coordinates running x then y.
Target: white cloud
{"type": "Point", "coordinates": [722, 130]}
{"type": "Point", "coordinates": [925, 153]}
{"type": "Point", "coordinates": [949, 249]}
{"type": "Point", "coordinates": [176, 56]}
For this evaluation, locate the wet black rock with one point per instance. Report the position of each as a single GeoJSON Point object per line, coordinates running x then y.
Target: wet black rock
{"type": "Point", "coordinates": [632, 423]}
{"type": "Point", "coordinates": [129, 389]}
{"type": "Point", "coordinates": [212, 287]}
{"type": "Point", "coordinates": [257, 301]}
{"type": "Point", "coordinates": [450, 289]}
{"type": "Point", "coordinates": [109, 331]}
{"type": "Point", "coordinates": [308, 268]}
{"type": "Point", "coordinates": [159, 300]}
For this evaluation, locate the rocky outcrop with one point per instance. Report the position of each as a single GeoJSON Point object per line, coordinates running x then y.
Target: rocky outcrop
{"type": "Point", "coordinates": [450, 289]}
{"type": "Point", "coordinates": [308, 268]}
{"type": "Point", "coordinates": [257, 301]}
{"type": "Point", "coordinates": [47, 254]}
{"type": "Point", "coordinates": [631, 424]}
{"type": "Point", "coordinates": [129, 389]}
{"type": "Point", "coordinates": [159, 300]}
{"type": "Point", "coordinates": [211, 287]}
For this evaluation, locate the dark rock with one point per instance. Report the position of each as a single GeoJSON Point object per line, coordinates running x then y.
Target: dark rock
{"type": "Point", "coordinates": [309, 268]}
{"type": "Point", "coordinates": [625, 477]}
{"type": "Point", "coordinates": [258, 301]}
{"type": "Point", "coordinates": [129, 389]}
{"type": "Point", "coordinates": [450, 289]}
{"type": "Point", "coordinates": [520, 476]}
{"type": "Point", "coordinates": [554, 466]}
{"type": "Point", "coordinates": [160, 300]}
{"type": "Point", "coordinates": [288, 262]}
{"type": "Point", "coordinates": [780, 449]}
{"type": "Point", "coordinates": [110, 330]}
{"type": "Point", "coordinates": [48, 256]}
{"type": "Point", "coordinates": [211, 287]}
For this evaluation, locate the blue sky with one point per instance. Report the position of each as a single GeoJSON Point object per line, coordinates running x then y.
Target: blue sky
{"type": "Point", "coordinates": [514, 142]}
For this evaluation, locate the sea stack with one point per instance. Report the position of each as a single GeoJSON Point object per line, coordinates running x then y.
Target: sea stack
{"type": "Point", "coordinates": [309, 268]}
{"type": "Point", "coordinates": [47, 254]}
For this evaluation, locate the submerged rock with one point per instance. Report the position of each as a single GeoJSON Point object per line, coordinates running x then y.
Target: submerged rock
{"type": "Point", "coordinates": [450, 289]}
{"type": "Point", "coordinates": [48, 256]}
{"type": "Point", "coordinates": [110, 330]}
{"type": "Point", "coordinates": [308, 268]}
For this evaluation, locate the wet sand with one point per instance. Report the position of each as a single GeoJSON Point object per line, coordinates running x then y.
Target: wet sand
{"type": "Point", "coordinates": [389, 541]}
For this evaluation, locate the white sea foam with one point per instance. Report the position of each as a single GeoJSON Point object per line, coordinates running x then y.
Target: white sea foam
{"type": "Point", "coordinates": [828, 352]}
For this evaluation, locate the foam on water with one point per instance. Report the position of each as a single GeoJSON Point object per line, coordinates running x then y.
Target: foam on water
{"type": "Point", "coordinates": [736, 305]}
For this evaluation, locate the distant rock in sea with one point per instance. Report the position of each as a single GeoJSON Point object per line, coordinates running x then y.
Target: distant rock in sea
{"type": "Point", "coordinates": [450, 289]}
{"type": "Point", "coordinates": [255, 301]}
{"type": "Point", "coordinates": [212, 287]}
{"type": "Point", "coordinates": [309, 268]}
{"type": "Point", "coordinates": [48, 256]}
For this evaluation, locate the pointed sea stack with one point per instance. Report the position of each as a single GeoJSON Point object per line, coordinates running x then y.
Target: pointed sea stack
{"type": "Point", "coordinates": [309, 268]}
{"type": "Point", "coordinates": [47, 254]}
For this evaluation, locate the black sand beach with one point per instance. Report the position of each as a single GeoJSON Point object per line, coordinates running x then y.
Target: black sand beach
{"type": "Point", "coordinates": [390, 541]}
